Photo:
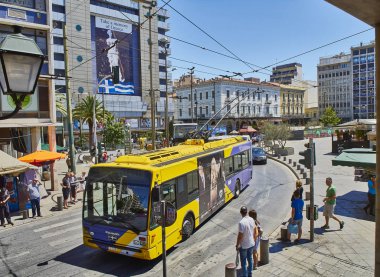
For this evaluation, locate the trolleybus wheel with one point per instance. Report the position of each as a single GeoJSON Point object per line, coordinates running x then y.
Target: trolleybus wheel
{"type": "Point", "coordinates": [187, 227]}
{"type": "Point", "coordinates": [237, 188]}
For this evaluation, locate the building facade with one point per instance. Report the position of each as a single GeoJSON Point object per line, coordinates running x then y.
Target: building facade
{"type": "Point", "coordinates": [292, 103]}
{"type": "Point", "coordinates": [286, 74]}
{"type": "Point", "coordinates": [205, 98]}
{"type": "Point", "coordinates": [363, 80]}
{"type": "Point", "coordinates": [102, 35]}
{"type": "Point", "coordinates": [335, 85]}
{"type": "Point", "coordinates": [17, 134]}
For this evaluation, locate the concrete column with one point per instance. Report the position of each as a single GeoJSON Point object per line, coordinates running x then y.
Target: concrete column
{"type": "Point", "coordinates": [35, 134]}
{"type": "Point", "coordinates": [53, 148]}
{"type": "Point", "coordinates": [377, 230]}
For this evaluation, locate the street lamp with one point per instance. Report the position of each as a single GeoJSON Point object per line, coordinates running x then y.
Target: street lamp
{"type": "Point", "coordinates": [21, 62]}
{"type": "Point", "coordinates": [166, 45]}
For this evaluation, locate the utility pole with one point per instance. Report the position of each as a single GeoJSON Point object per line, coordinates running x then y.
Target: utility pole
{"type": "Point", "coordinates": [238, 111]}
{"type": "Point", "coordinates": [152, 93]}
{"type": "Point", "coordinates": [68, 103]}
{"type": "Point", "coordinates": [311, 145]}
{"type": "Point", "coordinates": [166, 46]}
{"type": "Point", "coordinates": [191, 93]}
{"type": "Point", "coordinates": [214, 98]}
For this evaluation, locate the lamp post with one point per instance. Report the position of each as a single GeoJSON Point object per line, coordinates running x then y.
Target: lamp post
{"type": "Point", "coordinates": [196, 112]}
{"type": "Point", "coordinates": [21, 61]}
{"type": "Point", "coordinates": [166, 45]}
{"type": "Point", "coordinates": [127, 138]}
{"type": "Point", "coordinates": [191, 93]}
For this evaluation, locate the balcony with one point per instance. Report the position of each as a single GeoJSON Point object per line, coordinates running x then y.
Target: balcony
{"type": "Point", "coordinates": [268, 102]}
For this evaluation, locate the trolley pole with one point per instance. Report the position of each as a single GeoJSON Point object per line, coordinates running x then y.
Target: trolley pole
{"type": "Point", "coordinates": [311, 145]}
{"type": "Point", "coordinates": [163, 220]}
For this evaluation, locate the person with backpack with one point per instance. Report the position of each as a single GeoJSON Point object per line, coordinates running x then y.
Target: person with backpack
{"type": "Point", "coordinates": [259, 232]}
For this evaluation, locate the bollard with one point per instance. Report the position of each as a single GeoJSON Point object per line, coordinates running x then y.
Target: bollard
{"type": "Point", "coordinates": [264, 251]}
{"type": "Point", "coordinates": [284, 158]}
{"type": "Point", "coordinates": [290, 161]}
{"type": "Point", "coordinates": [230, 270]}
{"type": "Point", "coordinates": [302, 171]}
{"type": "Point", "coordinates": [284, 233]}
{"type": "Point", "coordinates": [294, 164]}
{"type": "Point", "coordinates": [59, 203]}
{"type": "Point", "coordinates": [25, 214]}
{"type": "Point", "coordinates": [298, 166]}
{"type": "Point", "coordinates": [307, 196]}
{"type": "Point", "coordinates": [307, 180]}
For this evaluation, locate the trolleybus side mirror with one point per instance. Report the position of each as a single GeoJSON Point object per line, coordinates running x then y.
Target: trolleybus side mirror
{"type": "Point", "coordinates": [155, 194]}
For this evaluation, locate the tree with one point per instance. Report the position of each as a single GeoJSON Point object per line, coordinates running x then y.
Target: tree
{"type": "Point", "coordinates": [114, 133]}
{"type": "Point", "coordinates": [60, 103]}
{"type": "Point", "coordinates": [84, 112]}
{"type": "Point", "coordinates": [329, 117]}
{"type": "Point", "coordinates": [276, 133]}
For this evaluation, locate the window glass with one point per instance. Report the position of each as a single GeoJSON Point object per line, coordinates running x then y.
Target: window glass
{"type": "Point", "coordinates": [181, 192]}
{"type": "Point", "coordinates": [237, 162]}
{"type": "Point", "coordinates": [168, 192]}
{"type": "Point", "coordinates": [245, 158]}
{"type": "Point", "coordinates": [192, 185]}
{"type": "Point", "coordinates": [228, 166]}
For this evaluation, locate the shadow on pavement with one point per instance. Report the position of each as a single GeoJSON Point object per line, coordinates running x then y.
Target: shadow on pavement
{"type": "Point", "coordinates": [104, 262]}
{"type": "Point", "coordinates": [351, 205]}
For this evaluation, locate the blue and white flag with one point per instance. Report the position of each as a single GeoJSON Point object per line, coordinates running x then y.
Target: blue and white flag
{"type": "Point", "coordinates": [108, 87]}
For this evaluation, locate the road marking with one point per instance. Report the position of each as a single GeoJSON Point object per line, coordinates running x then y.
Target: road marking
{"type": "Point", "coordinates": [57, 225]}
{"type": "Point", "coordinates": [18, 255]}
{"type": "Point", "coordinates": [65, 239]}
{"type": "Point", "coordinates": [49, 235]}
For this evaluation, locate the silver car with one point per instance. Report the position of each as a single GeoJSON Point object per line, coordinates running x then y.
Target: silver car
{"type": "Point", "coordinates": [259, 155]}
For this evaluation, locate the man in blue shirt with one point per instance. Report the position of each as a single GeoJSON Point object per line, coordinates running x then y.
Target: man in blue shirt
{"type": "Point", "coordinates": [35, 196]}
{"type": "Point", "coordinates": [297, 207]}
{"type": "Point", "coordinates": [371, 196]}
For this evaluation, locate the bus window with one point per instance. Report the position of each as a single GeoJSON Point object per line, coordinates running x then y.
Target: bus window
{"type": "Point", "coordinates": [192, 186]}
{"type": "Point", "coordinates": [228, 166]}
{"type": "Point", "coordinates": [245, 158]}
{"type": "Point", "coordinates": [237, 162]}
{"type": "Point", "coordinates": [181, 192]}
{"type": "Point", "coordinates": [168, 192]}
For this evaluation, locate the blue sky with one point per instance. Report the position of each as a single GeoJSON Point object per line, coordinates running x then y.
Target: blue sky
{"type": "Point", "coordinates": [260, 32]}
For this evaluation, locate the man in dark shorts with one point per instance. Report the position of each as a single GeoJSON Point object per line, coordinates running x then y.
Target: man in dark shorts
{"type": "Point", "coordinates": [73, 188]}
{"type": "Point", "coordinates": [4, 208]}
{"type": "Point", "coordinates": [66, 190]}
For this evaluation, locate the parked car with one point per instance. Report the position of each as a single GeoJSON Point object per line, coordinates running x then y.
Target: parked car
{"type": "Point", "coordinates": [259, 155]}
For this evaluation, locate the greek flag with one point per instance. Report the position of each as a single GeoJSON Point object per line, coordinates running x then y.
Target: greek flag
{"type": "Point", "coordinates": [108, 87]}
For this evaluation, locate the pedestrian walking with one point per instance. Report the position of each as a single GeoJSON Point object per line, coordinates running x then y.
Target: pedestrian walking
{"type": "Point", "coordinates": [66, 190]}
{"type": "Point", "coordinates": [259, 232]}
{"type": "Point", "coordinates": [4, 207]}
{"type": "Point", "coordinates": [297, 217]}
{"type": "Point", "coordinates": [299, 188]}
{"type": "Point", "coordinates": [35, 197]}
{"type": "Point", "coordinates": [82, 181]}
{"type": "Point", "coordinates": [330, 202]}
{"type": "Point", "coordinates": [246, 241]}
{"type": "Point", "coordinates": [371, 195]}
{"type": "Point", "coordinates": [73, 188]}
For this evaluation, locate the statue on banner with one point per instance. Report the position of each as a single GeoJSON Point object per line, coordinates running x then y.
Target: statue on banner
{"type": "Point", "coordinates": [113, 54]}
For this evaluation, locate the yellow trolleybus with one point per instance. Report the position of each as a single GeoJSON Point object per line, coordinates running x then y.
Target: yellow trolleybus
{"type": "Point", "coordinates": [197, 177]}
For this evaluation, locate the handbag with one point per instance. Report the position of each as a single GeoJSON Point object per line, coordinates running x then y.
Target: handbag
{"type": "Point", "coordinates": [237, 261]}
{"type": "Point", "coordinates": [292, 228]}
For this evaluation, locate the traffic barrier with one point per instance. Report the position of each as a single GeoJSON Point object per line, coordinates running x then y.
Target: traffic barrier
{"type": "Point", "coordinates": [25, 214]}
{"type": "Point", "coordinates": [60, 203]}
{"type": "Point", "coordinates": [230, 270]}
{"type": "Point", "coordinates": [284, 233]}
{"type": "Point", "coordinates": [264, 251]}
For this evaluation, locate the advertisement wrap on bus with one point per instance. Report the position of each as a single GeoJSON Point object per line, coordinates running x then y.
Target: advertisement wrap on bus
{"type": "Point", "coordinates": [197, 178]}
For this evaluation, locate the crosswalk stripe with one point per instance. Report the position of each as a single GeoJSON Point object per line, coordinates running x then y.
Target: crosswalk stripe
{"type": "Point", "coordinates": [65, 239]}
{"type": "Point", "coordinates": [49, 235]}
{"type": "Point", "coordinates": [57, 225]}
{"type": "Point", "coordinates": [17, 255]}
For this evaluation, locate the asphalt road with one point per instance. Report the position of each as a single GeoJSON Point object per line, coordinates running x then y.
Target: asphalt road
{"type": "Point", "coordinates": [53, 246]}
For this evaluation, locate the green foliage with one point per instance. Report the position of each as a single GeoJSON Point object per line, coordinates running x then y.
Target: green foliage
{"type": "Point", "coordinates": [84, 111]}
{"type": "Point", "coordinates": [329, 117]}
{"type": "Point", "coordinates": [114, 134]}
{"type": "Point", "coordinates": [60, 103]}
{"type": "Point", "coordinates": [276, 133]}
{"type": "Point", "coordinates": [312, 123]}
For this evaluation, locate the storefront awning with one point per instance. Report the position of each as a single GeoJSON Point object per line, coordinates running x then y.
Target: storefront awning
{"type": "Point", "coordinates": [356, 157]}
{"type": "Point", "coordinates": [29, 123]}
{"type": "Point", "coordinates": [10, 165]}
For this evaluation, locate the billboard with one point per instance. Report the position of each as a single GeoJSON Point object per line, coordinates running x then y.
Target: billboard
{"type": "Point", "coordinates": [122, 41]}
{"type": "Point", "coordinates": [211, 184]}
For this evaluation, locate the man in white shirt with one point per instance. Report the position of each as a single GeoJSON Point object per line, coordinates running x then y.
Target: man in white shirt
{"type": "Point", "coordinates": [246, 241]}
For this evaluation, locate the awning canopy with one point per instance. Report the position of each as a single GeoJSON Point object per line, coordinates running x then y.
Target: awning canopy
{"type": "Point", "coordinates": [40, 157]}
{"type": "Point", "coordinates": [356, 157]}
{"type": "Point", "coordinates": [365, 124]}
{"type": "Point", "coordinates": [249, 129]}
{"type": "Point", "coordinates": [10, 165]}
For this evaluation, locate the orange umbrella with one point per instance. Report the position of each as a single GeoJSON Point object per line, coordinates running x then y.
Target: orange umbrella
{"type": "Point", "coordinates": [41, 157]}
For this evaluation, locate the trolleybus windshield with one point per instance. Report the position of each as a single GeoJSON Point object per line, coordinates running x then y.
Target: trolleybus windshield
{"type": "Point", "coordinates": [117, 197]}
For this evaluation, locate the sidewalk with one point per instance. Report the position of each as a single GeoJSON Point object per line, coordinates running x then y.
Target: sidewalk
{"type": "Point", "coordinates": [334, 252]}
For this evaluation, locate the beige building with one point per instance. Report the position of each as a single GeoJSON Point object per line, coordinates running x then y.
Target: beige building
{"type": "Point", "coordinates": [292, 103]}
